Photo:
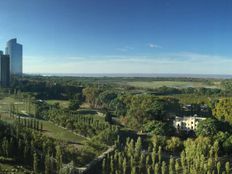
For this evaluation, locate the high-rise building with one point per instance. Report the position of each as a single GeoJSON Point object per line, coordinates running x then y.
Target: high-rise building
{"type": "Point", "coordinates": [4, 70]}
{"type": "Point", "coordinates": [15, 51]}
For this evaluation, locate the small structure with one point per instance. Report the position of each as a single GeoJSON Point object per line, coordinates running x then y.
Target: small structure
{"type": "Point", "coordinates": [187, 123]}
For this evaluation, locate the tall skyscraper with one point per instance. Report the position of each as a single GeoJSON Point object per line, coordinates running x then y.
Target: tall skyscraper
{"type": "Point", "coordinates": [15, 51]}
{"type": "Point", "coordinates": [4, 70]}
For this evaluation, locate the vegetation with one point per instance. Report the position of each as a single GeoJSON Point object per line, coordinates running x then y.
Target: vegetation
{"type": "Point", "coordinates": [58, 124]}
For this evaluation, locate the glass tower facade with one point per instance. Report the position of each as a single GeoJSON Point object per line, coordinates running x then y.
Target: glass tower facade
{"type": "Point", "coordinates": [15, 51]}
{"type": "Point", "coordinates": [4, 70]}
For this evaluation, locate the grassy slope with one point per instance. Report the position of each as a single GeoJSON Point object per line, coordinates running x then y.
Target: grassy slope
{"type": "Point", "coordinates": [52, 131]}
{"type": "Point", "coordinates": [56, 132]}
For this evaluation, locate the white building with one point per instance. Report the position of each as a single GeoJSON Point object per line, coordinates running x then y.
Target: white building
{"type": "Point", "coordinates": [187, 123]}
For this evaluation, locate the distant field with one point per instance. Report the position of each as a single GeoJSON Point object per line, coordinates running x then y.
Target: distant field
{"type": "Point", "coordinates": [174, 84]}
{"type": "Point", "coordinates": [191, 98]}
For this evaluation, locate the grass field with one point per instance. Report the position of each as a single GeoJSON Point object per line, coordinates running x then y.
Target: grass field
{"type": "Point", "coordinates": [19, 105]}
{"type": "Point", "coordinates": [9, 168]}
{"type": "Point", "coordinates": [191, 98]}
{"type": "Point", "coordinates": [51, 130]}
{"type": "Point", "coordinates": [174, 84]}
{"type": "Point", "coordinates": [62, 103]}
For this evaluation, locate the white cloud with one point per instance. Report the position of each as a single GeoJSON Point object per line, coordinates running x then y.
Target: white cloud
{"type": "Point", "coordinates": [154, 45]}
{"type": "Point", "coordinates": [182, 62]}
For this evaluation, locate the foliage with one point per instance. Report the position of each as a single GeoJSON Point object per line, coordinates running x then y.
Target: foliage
{"type": "Point", "coordinates": [223, 110]}
{"type": "Point", "coordinates": [159, 128]}
{"type": "Point", "coordinates": [208, 127]}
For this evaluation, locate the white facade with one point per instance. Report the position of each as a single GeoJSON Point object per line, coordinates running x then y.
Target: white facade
{"type": "Point", "coordinates": [15, 51]}
{"type": "Point", "coordinates": [187, 123]}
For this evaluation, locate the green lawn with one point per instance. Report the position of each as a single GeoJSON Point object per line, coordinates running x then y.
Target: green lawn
{"type": "Point", "coordinates": [51, 130]}
{"type": "Point", "coordinates": [9, 168]}
{"type": "Point", "coordinates": [20, 105]}
{"type": "Point", "coordinates": [62, 103]}
{"type": "Point", "coordinates": [175, 84]}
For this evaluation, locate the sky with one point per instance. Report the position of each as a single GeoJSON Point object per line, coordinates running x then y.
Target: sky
{"type": "Point", "coordinates": [120, 36]}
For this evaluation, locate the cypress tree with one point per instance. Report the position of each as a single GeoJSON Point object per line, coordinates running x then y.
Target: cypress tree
{"type": "Point", "coordinates": [58, 158]}
{"type": "Point", "coordinates": [216, 149]}
{"type": "Point", "coordinates": [160, 154]}
{"type": "Point", "coordinates": [171, 165]}
{"type": "Point", "coordinates": [35, 163]}
{"type": "Point", "coordinates": [163, 168]}
{"type": "Point", "coordinates": [153, 156]}
{"type": "Point", "coordinates": [47, 164]}
{"type": "Point", "coordinates": [112, 165]}
{"type": "Point", "coordinates": [124, 166]}
{"type": "Point", "coordinates": [156, 170]}
{"type": "Point", "coordinates": [141, 161]}
{"type": "Point", "coordinates": [133, 171]}
{"type": "Point", "coordinates": [218, 167]}
{"type": "Point", "coordinates": [104, 166]}
{"type": "Point", "coordinates": [148, 160]}
{"type": "Point", "coordinates": [138, 148]}
{"type": "Point", "coordinates": [227, 167]}
{"type": "Point", "coordinates": [149, 170]}
{"type": "Point", "coordinates": [177, 166]}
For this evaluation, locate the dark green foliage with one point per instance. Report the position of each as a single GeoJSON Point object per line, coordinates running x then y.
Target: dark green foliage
{"type": "Point", "coordinates": [207, 127]}
{"type": "Point", "coordinates": [74, 104]}
{"type": "Point", "coordinates": [159, 128]}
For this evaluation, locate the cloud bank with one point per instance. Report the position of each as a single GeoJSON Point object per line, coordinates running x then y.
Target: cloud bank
{"type": "Point", "coordinates": [182, 62]}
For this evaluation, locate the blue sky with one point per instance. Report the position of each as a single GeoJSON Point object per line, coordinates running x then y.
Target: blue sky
{"type": "Point", "coordinates": [121, 36]}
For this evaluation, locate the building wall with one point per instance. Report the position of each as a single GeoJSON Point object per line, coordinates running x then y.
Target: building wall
{"type": "Point", "coordinates": [5, 70]}
{"type": "Point", "coordinates": [15, 51]}
{"type": "Point", "coordinates": [187, 123]}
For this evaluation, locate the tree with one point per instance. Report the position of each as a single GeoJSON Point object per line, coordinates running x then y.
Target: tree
{"type": "Point", "coordinates": [105, 98]}
{"type": "Point", "coordinates": [138, 148]}
{"type": "Point", "coordinates": [159, 128]}
{"type": "Point", "coordinates": [35, 163]}
{"type": "Point", "coordinates": [177, 166]}
{"type": "Point", "coordinates": [227, 167]}
{"type": "Point", "coordinates": [156, 170]}
{"type": "Point", "coordinates": [174, 144]}
{"type": "Point", "coordinates": [163, 167]}
{"type": "Point", "coordinates": [74, 104]}
{"type": "Point", "coordinates": [160, 154]}
{"type": "Point", "coordinates": [124, 166]}
{"type": "Point", "coordinates": [143, 108]}
{"type": "Point", "coordinates": [47, 164]}
{"type": "Point", "coordinates": [108, 117]}
{"type": "Point", "coordinates": [218, 167]}
{"type": "Point", "coordinates": [58, 158]}
{"type": "Point", "coordinates": [171, 165]}
{"type": "Point", "coordinates": [207, 127]}
{"type": "Point", "coordinates": [223, 110]}
{"type": "Point", "coordinates": [91, 94]}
